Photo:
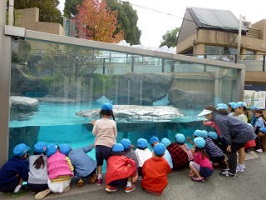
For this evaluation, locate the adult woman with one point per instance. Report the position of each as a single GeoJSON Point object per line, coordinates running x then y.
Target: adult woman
{"type": "Point", "coordinates": [235, 133]}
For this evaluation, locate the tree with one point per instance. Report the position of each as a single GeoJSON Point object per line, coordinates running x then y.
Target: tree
{"type": "Point", "coordinates": [95, 21]}
{"type": "Point", "coordinates": [127, 18]}
{"type": "Point", "coordinates": [71, 7]}
{"type": "Point", "coordinates": [48, 9]}
{"type": "Point", "coordinates": [170, 38]}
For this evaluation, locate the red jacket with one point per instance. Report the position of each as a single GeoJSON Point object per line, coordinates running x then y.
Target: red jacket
{"type": "Point", "coordinates": [119, 167]}
{"type": "Point", "coordinates": [155, 172]}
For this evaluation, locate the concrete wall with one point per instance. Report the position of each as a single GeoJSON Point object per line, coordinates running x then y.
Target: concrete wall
{"type": "Point", "coordinates": [29, 19]}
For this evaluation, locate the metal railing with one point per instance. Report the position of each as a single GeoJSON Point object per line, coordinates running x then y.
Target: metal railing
{"type": "Point", "coordinates": [255, 63]}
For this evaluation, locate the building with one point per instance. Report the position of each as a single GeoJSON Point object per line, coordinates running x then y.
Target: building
{"type": "Point", "coordinates": [214, 34]}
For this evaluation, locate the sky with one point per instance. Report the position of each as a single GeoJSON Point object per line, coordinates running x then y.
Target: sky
{"type": "Point", "coordinates": [156, 17]}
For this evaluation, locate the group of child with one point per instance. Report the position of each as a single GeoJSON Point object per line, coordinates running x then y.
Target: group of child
{"type": "Point", "coordinates": [52, 167]}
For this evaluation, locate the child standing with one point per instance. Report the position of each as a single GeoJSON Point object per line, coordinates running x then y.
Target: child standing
{"type": "Point", "coordinates": [155, 171]}
{"type": "Point", "coordinates": [84, 165]}
{"type": "Point", "coordinates": [38, 175]}
{"type": "Point", "coordinates": [121, 171]}
{"type": "Point", "coordinates": [201, 167]}
{"type": "Point", "coordinates": [105, 132]}
{"type": "Point", "coordinates": [60, 170]}
{"type": "Point", "coordinates": [143, 153]}
{"type": "Point", "coordinates": [15, 170]}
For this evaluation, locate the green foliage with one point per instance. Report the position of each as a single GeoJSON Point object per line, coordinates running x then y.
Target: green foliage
{"type": "Point", "coordinates": [71, 7]}
{"type": "Point", "coordinates": [170, 38]}
{"type": "Point", "coordinates": [48, 9]}
{"type": "Point", "coordinates": [127, 18]}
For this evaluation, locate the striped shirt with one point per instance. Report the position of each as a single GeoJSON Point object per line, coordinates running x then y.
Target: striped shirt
{"type": "Point", "coordinates": [212, 149]}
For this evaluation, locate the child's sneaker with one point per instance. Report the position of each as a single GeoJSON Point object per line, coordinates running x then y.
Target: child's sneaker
{"type": "Point", "coordinates": [198, 179]}
{"type": "Point", "coordinates": [80, 183]}
{"type": "Point", "coordinates": [259, 150]}
{"type": "Point", "coordinates": [99, 181]}
{"type": "Point", "coordinates": [110, 188]}
{"type": "Point", "coordinates": [130, 189]}
{"type": "Point", "coordinates": [92, 179]}
{"type": "Point", "coordinates": [42, 194]}
{"type": "Point", "coordinates": [240, 168]}
{"type": "Point", "coordinates": [227, 174]}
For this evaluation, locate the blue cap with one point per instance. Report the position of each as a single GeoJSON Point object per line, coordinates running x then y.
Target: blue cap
{"type": "Point", "coordinates": [240, 104]}
{"type": "Point", "coordinates": [21, 149]}
{"type": "Point", "coordinates": [118, 147]}
{"type": "Point", "coordinates": [199, 142]}
{"type": "Point", "coordinates": [142, 143]}
{"type": "Point", "coordinates": [263, 129]}
{"type": "Point", "coordinates": [180, 138]}
{"type": "Point", "coordinates": [232, 104]}
{"type": "Point", "coordinates": [159, 149]}
{"type": "Point", "coordinates": [154, 139]}
{"type": "Point", "coordinates": [213, 135]}
{"type": "Point", "coordinates": [197, 133]}
{"type": "Point", "coordinates": [64, 149]}
{"type": "Point", "coordinates": [126, 143]}
{"type": "Point", "coordinates": [254, 108]}
{"type": "Point", "coordinates": [107, 106]}
{"type": "Point", "coordinates": [166, 142]}
{"type": "Point", "coordinates": [222, 106]}
{"type": "Point", "coordinates": [204, 133]}
{"type": "Point", "coordinates": [40, 147]}
{"type": "Point", "coordinates": [201, 133]}
{"type": "Point", "coordinates": [51, 149]}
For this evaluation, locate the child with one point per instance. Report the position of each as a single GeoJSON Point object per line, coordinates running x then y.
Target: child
{"type": "Point", "coordinates": [15, 170]}
{"type": "Point", "coordinates": [129, 152]}
{"type": "Point", "coordinates": [180, 140]}
{"type": "Point", "coordinates": [121, 171]}
{"type": "Point", "coordinates": [105, 132]}
{"type": "Point", "coordinates": [155, 171]}
{"type": "Point", "coordinates": [154, 140]}
{"type": "Point", "coordinates": [60, 170]}
{"type": "Point", "coordinates": [242, 114]}
{"type": "Point", "coordinates": [38, 175]}
{"type": "Point", "coordinates": [201, 167]}
{"type": "Point", "coordinates": [262, 136]}
{"type": "Point", "coordinates": [178, 155]}
{"type": "Point", "coordinates": [259, 123]}
{"type": "Point", "coordinates": [143, 153]}
{"type": "Point", "coordinates": [84, 165]}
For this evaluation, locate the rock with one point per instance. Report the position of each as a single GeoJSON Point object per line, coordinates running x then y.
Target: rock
{"type": "Point", "coordinates": [23, 104]}
{"type": "Point", "coordinates": [190, 99]}
{"type": "Point", "coordinates": [133, 113]}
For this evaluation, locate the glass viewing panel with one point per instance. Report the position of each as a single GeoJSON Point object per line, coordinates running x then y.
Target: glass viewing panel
{"type": "Point", "coordinates": [151, 96]}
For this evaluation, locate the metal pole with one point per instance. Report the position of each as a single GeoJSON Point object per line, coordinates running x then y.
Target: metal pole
{"type": "Point", "coordinates": [239, 38]}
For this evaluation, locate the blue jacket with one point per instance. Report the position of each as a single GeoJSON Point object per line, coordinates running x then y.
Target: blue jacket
{"type": "Point", "coordinates": [83, 164]}
{"type": "Point", "coordinates": [14, 169]}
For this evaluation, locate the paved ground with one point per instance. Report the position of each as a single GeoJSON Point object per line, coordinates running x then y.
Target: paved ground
{"type": "Point", "coordinates": [250, 185]}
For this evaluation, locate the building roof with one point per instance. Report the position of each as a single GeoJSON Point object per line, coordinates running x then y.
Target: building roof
{"type": "Point", "coordinates": [214, 19]}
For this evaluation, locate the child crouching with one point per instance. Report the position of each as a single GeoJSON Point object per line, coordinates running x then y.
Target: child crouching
{"type": "Point", "coordinates": [201, 167]}
{"type": "Point", "coordinates": [121, 171]}
{"type": "Point", "coordinates": [155, 171]}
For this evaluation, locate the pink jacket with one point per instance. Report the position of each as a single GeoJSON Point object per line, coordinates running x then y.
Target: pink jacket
{"type": "Point", "coordinates": [58, 166]}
